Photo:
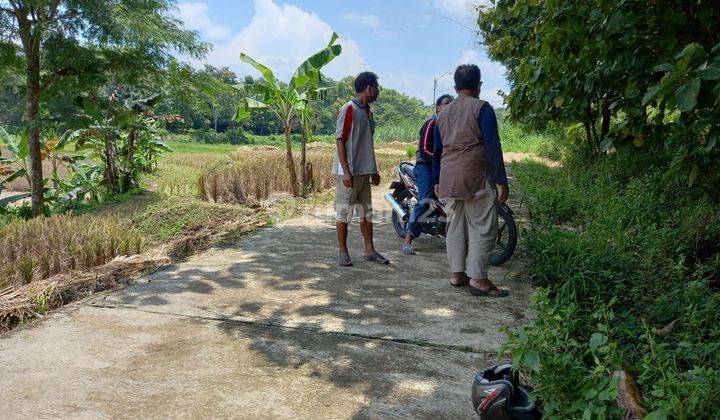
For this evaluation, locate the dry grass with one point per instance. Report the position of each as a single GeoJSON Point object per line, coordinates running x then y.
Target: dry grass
{"type": "Point", "coordinates": [178, 173]}
{"type": "Point", "coordinates": [256, 173]}
{"type": "Point", "coordinates": [178, 238]}
{"type": "Point", "coordinates": [197, 161]}
{"type": "Point", "coordinates": [39, 248]}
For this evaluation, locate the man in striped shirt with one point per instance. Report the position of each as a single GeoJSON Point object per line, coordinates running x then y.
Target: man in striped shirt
{"type": "Point", "coordinates": [355, 167]}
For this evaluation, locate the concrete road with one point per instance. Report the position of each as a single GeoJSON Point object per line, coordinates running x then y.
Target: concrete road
{"type": "Point", "coordinates": [269, 328]}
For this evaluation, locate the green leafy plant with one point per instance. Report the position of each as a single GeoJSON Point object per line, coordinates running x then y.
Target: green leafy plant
{"type": "Point", "coordinates": [627, 280]}
{"type": "Point", "coordinates": [288, 102]}
{"type": "Point", "coordinates": [410, 152]}
{"type": "Point", "coordinates": [90, 42]}
{"type": "Point", "coordinates": [628, 75]}
{"type": "Point", "coordinates": [122, 134]}
{"type": "Point", "coordinates": [689, 91]}
{"type": "Point", "coordinates": [18, 147]}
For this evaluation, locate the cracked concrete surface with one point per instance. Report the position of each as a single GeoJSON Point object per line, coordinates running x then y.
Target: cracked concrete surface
{"type": "Point", "coordinates": [269, 328]}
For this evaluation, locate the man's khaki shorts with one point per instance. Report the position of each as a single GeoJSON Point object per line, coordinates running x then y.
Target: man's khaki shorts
{"type": "Point", "coordinates": [347, 200]}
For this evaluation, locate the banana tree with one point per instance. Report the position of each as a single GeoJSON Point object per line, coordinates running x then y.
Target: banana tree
{"type": "Point", "coordinates": [306, 119]}
{"type": "Point", "coordinates": [16, 165]}
{"type": "Point", "coordinates": [115, 132]}
{"type": "Point", "coordinates": [13, 166]}
{"type": "Point", "coordinates": [289, 102]}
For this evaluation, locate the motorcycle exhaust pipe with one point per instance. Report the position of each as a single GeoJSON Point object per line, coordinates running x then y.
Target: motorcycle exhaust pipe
{"type": "Point", "coordinates": [395, 206]}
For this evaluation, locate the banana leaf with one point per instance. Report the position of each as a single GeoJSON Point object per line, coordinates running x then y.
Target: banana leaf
{"type": "Point", "coordinates": [266, 73]}
{"type": "Point", "coordinates": [15, 175]}
{"type": "Point", "coordinates": [18, 145]}
{"type": "Point", "coordinates": [13, 198]}
{"type": "Point", "coordinates": [309, 70]}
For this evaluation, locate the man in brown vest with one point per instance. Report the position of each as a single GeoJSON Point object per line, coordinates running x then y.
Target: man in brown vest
{"type": "Point", "coordinates": [467, 165]}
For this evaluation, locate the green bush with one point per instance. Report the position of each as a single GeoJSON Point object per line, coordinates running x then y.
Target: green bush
{"type": "Point", "coordinates": [517, 138]}
{"type": "Point", "coordinates": [231, 136]}
{"type": "Point", "coordinates": [627, 266]}
{"type": "Point", "coordinates": [407, 131]}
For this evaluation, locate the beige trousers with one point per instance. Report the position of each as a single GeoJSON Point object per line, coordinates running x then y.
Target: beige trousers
{"type": "Point", "coordinates": [471, 233]}
{"type": "Point", "coordinates": [348, 200]}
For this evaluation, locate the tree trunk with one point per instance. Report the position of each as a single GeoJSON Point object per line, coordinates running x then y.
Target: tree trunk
{"type": "Point", "coordinates": [130, 162]}
{"type": "Point", "coordinates": [303, 160]}
{"type": "Point", "coordinates": [32, 116]}
{"type": "Point", "coordinates": [215, 117]}
{"type": "Point", "coordinates": [290, 163]}
{"type": "Point", "coordinates": [605, 126]}
{"type": "Point", "coordinates": [590, 132]}
{"type": "Point", "coordinates": [588, 135]}
{"type": "Point", "coordinates": [111, 173]}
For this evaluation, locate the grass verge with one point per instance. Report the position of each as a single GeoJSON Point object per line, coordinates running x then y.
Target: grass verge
{"type": "Point", "coordinates": [627, 266]}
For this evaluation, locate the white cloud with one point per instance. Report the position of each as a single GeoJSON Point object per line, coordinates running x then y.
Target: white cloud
{"type": "Point", "coordinates": [362, 19]}
{"type": "Point", "coordinates": [281, 37]}
{"type": "Point", "coordinates": [413, 84]}
{"type": "Point", "coordinates": [195, 16]}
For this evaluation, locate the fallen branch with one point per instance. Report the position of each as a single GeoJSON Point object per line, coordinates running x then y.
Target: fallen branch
{"type": "Point", "coordinates": [629, 397]}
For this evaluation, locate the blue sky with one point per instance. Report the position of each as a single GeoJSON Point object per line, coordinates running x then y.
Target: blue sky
{"type": "Point", "coordinates": [405, 42]}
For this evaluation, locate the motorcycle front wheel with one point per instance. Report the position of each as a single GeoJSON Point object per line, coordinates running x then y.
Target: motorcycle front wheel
{"type": "Point", "coordinates": [403, 198]}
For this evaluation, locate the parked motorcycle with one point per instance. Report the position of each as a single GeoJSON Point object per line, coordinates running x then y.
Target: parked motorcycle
{"type": "Point", "coordinates": [434, 221]}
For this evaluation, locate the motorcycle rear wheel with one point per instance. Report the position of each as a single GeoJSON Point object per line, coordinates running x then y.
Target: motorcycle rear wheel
{"type": "Point", "coordinates": [507, 236]}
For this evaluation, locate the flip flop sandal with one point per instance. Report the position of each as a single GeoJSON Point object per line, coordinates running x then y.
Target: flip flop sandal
{"type": "Point", "coordinates": [407, 249]}
{"type": "Point", "coordinates": [493, 292]}
{"type": "Point", "coordinates": [344, 260]}
{"type": "Point", "coordinates": [376, 258]}
{"type": "Point", "coordinates": [465, 281]}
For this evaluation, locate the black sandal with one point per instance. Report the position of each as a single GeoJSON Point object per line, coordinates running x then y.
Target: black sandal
{"type": "Point", "coordinates": [344, 260]}
{"type": "Point", "coordinates": [493, 292]}
{"type": "Point", "coordinates": [376, 258]}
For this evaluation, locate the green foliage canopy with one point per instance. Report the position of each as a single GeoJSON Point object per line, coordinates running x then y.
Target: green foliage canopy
{"type": "Point", "coordinates": [66, 46]}
{"type": "Point", "coordinates": [597, 64]}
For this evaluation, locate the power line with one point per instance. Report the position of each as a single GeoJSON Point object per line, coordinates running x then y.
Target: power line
{"type": "Point", "coordinates": [475, 31]}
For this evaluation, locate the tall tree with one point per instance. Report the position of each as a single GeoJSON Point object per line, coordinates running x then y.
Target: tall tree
{"type": "Point", "coordinates": [85, 39]}
{"type": "Point", "coordinates": [594, 71]}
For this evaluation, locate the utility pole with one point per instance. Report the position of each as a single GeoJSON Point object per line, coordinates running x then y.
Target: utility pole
{"type": "Point", "coordinates": [435, 80]}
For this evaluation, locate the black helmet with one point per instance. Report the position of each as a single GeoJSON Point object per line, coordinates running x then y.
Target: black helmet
{"type": "Point", "coordinates": [496, 394]}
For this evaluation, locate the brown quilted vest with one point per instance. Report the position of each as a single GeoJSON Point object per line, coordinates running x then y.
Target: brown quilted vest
{"type": "Point", "coordinates": [463, 164]}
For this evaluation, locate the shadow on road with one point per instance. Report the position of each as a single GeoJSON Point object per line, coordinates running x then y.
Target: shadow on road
{"type": "Point", "coordinates": [399, 334]}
